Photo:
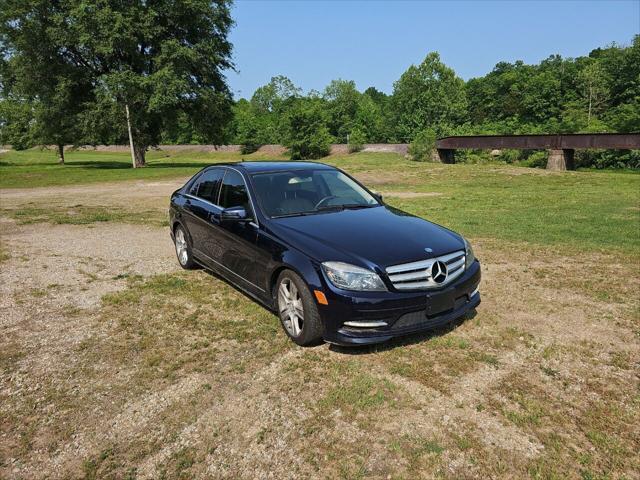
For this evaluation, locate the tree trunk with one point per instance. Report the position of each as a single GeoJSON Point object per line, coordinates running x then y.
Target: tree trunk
{"type": "Point", "coordinates": [589, 116]}
{"type": "Point", "coordinates": [61, 154]}
{"type": "Point", "coordinates": [137, 151]}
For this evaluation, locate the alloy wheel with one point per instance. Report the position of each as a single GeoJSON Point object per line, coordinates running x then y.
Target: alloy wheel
{"type": "Point", "coordinates": [181, 247]}
{"type": "Point", "coordinates": [290, 307]}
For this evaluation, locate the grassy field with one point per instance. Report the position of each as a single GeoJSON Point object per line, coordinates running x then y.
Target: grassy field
{"type": "Point", "coordinates": [114, 363]}
{"type": "Point", "coordinates": [39, 168]}
{"type": "Point", "coordinates": [596, 211]}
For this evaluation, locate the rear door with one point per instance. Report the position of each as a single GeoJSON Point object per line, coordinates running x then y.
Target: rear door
{"type": "Point", "coordinates": [203, 215]}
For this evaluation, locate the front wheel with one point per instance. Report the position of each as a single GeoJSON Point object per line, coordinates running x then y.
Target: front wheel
{"type": "Point", "coordinates": [297, 310]}
{"type": "Point", "coordinates": [183, 250]}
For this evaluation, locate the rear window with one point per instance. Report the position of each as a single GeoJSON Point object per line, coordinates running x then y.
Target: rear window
{"type": "Point", "coordinates": [207, 185]}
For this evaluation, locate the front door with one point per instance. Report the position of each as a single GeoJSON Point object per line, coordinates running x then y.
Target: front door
{"type": "Point", "coordinates": [239, 239]}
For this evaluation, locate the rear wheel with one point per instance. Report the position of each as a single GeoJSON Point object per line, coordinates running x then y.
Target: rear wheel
{"type": "Point", "coordinates": [297, 310]}
{"type": "Point", "coordinates": [183, 249]}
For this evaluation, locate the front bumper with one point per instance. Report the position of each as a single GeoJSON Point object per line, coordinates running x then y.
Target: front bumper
{"type": "Point", "coordinates": [403, 313]}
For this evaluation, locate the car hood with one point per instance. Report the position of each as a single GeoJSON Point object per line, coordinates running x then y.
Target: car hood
{"type": "Point", "coordinates": [380, 236]}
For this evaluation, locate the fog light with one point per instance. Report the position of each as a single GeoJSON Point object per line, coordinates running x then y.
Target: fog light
{"type": "Point", "coordinates": [474, 293]}
{"type": "Point", "coordinates": [365, 324]}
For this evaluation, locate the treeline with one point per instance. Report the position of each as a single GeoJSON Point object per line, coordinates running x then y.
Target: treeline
{"type": "Point", "coordinates": [142, 73]}
{"type": "Point", "coordinates": [596, 93]}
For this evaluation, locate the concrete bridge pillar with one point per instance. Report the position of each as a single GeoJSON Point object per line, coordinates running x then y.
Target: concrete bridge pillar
{"type": "Point", "coordinates": [446, 155]}
{"type": "Point", "coordinates": [561, 160]}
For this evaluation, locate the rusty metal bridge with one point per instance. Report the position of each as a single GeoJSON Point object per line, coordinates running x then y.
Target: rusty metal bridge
{"type": "Point", "coordinates": [561, 147]}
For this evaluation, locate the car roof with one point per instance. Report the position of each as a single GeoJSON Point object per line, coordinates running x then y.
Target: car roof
{"type": "Point", "coordinates": [266, 166]}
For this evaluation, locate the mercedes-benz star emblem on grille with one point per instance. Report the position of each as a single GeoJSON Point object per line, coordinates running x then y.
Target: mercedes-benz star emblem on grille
{"type": "Point", "coordinates": [439, 272]}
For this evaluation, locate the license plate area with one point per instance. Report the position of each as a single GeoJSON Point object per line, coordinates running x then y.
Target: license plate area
{"type": "Point", "coordinates": [438, 303]}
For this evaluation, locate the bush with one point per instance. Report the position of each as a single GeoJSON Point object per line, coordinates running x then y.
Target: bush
{"type": "Point", "coordinates": [509, 156]}
{"type": "Point", "coordinates": [475, 157]}
{"type": "Point", "coordinates": [357, 139]}
{"type": "Point", "coordinates": [248, 148]}
{"type": "Point", "coordinates": [306, 133]}
{"type": "Point", "coordinates": [537, 159]}
{"type": "Point", "coordinates": [312, 146]}
{"type": "Point", "coordinates": [423, 146]}
{"type": "Point", "coordinates": [608, 159]}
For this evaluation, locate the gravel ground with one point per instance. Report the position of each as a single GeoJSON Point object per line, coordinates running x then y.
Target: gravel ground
{"type": "Point", "coordinates": [242, 416]}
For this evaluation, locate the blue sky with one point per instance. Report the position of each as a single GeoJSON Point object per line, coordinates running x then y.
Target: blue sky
{"type": "Point", "coordinates": [373, 42]}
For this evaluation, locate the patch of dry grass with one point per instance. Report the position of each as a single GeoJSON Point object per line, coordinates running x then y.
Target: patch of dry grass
{"type": "Point", "coordinates": [83, 215]}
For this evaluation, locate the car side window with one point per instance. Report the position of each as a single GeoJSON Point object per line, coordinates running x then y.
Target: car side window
{"type": "Point", "coordinates": [234, 191]}
{"type": "Point", "coordinates": [208, 185]}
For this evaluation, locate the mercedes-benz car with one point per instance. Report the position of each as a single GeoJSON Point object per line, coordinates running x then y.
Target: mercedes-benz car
{"type": "Point", "coordinates": [323, 252]}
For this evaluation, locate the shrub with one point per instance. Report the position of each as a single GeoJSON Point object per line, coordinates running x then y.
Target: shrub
{"type": "Point", "coordinates": [357, 139]}
{"type": "Point", "coordinates": [423, 145]}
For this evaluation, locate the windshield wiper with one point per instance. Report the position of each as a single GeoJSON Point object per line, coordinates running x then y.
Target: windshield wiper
{"type": "Point", "coordinates": [326, 208]}
{"type": "Point", "coordinates": [346, 206]}
{"type": "Point", "coordinates": [329, 207]}
{"type": "Point", "coordinates": [356, 206]}
{"type": "Point", "coordinates": [295, 214]}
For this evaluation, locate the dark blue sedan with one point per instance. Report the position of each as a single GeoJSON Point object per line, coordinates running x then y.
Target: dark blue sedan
{"type": "Point", "coordinates": [314, 245]}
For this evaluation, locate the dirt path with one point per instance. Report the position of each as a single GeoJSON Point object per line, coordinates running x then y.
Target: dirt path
{"type": "Point", "coordinates": [123, 194]}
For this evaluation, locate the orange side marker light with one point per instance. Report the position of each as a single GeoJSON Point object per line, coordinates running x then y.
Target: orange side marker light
{"type": "Point", "coordinates": [322, 300]}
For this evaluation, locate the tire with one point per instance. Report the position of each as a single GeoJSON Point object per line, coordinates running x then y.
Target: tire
{"type": "Point", "coordinates": [298, 312]}
{"type": "Point", "coordinates": [183, 248]}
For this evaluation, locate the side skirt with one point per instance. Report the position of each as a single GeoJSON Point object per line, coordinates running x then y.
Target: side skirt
{"type": "Point", "coordinates": [219, 271]}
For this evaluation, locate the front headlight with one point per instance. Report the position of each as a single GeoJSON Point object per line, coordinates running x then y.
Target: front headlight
{"type": "Point", "coordinates": [350, 277]}
{"type": "Point", "coordinates": [469, 255]}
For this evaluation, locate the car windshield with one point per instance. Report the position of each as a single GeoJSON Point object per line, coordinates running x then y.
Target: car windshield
{"type": "Point", "coordinates": [307, 192]}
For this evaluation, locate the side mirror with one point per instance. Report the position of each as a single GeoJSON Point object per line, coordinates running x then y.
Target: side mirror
{"type": "Point", "coordinates": [377, 196]}
{"type": "Point", "coordinates": [234, 214]}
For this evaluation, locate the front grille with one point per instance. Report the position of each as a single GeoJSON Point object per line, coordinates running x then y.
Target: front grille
{"type": "Point", "coordinates": [417, 275]}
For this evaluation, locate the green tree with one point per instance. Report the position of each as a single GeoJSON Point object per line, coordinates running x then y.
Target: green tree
{"type": "Point", "coordinates": [16, 119]}
{"type": "Point", "coordinates": [342, 99]}
{"type": "Point", "coordinates": [593, 84]}
{"type": "Point", "coordinates": [269, 104]}
{"type": "Point", "coordinates": [272, 96]}
{"type": "Point", "coordinates": [306, 132]}
{"type": "Point", "coordinates": [370, 120]}
{"type": "Point", "coordinates": [148, 62]}
{"type": "Point", "coordinates": [625, 118]}
{"type": "Point", "coordinates": [427, 95]}
{"type": "Point", "coordinates": [423, 145]}
{"type": "Point", "coordinates": [357, 139]}
{"type": "Point", "coordinates": [252, 130]}
{"type": "Point", "coordinates": [34, 71]}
